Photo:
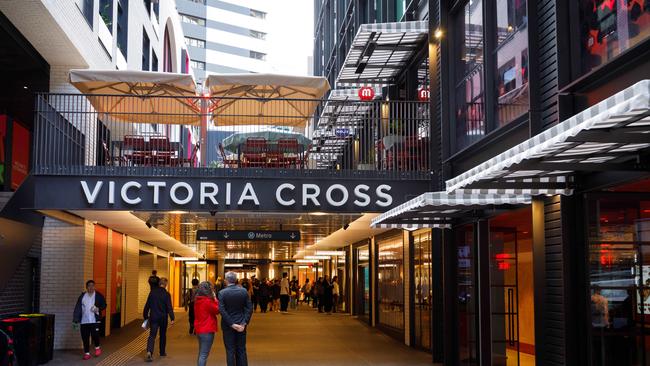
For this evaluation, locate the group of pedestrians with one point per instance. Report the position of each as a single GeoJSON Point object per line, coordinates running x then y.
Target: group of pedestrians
{"type": "Point", "coordinates": [323, 294]}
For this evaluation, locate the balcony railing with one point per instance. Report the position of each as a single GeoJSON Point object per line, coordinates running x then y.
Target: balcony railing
{"type": "Point", "coordinates": [136, 135]}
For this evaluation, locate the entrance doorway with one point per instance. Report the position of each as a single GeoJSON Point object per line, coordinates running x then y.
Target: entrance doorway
{"type": "Point", "coordinates": [511, 289]}
{"type": "Point", "coordinates": [423, 291]}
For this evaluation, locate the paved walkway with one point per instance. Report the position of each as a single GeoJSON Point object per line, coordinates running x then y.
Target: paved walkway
{"type": "Point", "coordinates": [298, 338]}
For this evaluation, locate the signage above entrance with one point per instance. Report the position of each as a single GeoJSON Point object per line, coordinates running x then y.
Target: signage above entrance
{"type": "Point", "coordinates": [247, 235]}
{"type": "Point", "coordinates": [272, 194]}
{"type": "Point", "coordinates": [366, 93]}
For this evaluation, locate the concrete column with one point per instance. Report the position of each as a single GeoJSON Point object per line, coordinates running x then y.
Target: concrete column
{"type": "Point", "coordinates": [262, 271]}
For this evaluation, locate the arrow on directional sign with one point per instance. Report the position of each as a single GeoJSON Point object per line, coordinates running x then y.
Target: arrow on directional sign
{"type": "Point", "coordinates": [225, 235]}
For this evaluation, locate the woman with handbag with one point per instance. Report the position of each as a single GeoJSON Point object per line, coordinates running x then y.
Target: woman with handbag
{"type": "Point", "coordinates": [206, 309]}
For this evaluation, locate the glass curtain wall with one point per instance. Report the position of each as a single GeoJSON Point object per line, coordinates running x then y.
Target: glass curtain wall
{"type": "Point", "coordinates": [423, 291]}
{"type": "Point", "coordinates": [467, 297]}
{"type": "Point", "coordinates": [619, 279]}
{"type": "Point", "coordinates": [390, 286]}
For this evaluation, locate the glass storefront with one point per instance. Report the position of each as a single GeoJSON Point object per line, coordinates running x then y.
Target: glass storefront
{"type": "Point", "coordinates": [390, 285]}
{"type": "Point", "coordinates": [363, 282]}
{"type": "Point", "coordinates": [423, 291]}
{"type": "Point", "coordinates": [467, 319]}
{"type": "Point", "coordinates": [619, 279]}
{"type": "Point", "coordinates": [512, 309]}
{"type": "Point", "coordinates": [610, 27]}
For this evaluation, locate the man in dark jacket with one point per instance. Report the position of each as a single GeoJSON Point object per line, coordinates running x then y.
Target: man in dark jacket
{"type": "Point", "coordinates": [156, 311]}
{"type": "Point", "coordinates": [236, 310]}
{"type": "Point", "coordinates": [87, 312]}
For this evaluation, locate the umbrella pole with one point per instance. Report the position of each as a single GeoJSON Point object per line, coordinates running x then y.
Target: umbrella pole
{"type": "Point", "coordinates": [204, 132]}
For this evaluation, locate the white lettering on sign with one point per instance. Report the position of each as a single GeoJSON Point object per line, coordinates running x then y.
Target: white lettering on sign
{"type": "Point", "coordinates": [214, 189]}
{"type": "Point", "coordinates": [156, 190]}
{"type": "Point", "coordinates": [175, 199]}
{"type": "Point", "coordinates": [286, 194]}
{"type": "Point", "coordinates": [310, 192]}
{"type": "Point", "coordinates": [278, 194]}
{"type": "Point", "coordinates": [125, 193]}
{"type": "Point", "coordinates": [330, 200]}
{"type": "Point", "coordinates": [91, 197]}
{"type": "Point", "coordinates": [248, 194]}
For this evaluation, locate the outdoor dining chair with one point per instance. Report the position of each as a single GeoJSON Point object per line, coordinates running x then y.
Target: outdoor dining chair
{"type": "Point", "coordinates": [253, 153]}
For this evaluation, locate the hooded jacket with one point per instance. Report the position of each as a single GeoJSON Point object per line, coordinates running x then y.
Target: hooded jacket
{"type": "Point", "coordinates": [206, 310]}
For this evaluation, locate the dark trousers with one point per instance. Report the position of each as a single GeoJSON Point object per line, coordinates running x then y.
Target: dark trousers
{"type": "Point", "coordinates": [190, 317]}
{"type": "Point", "coordinates": [235, 344]}
{"type": "Point", "coordinates": [315, 301]}
{"type": "Point", "coordinates": [90, 331]}
{"type": "Point", "coordinates": [255, 300]}
{"type": "Point", "coordinates": [284, 302]}
{"type": "Point", "coordinates": [153, 330]}
{"type": "Point", "coordinates": [264, 304]}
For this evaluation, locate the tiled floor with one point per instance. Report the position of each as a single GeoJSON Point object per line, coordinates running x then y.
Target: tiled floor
{"type": "Point", "coordinates": [298, 338]}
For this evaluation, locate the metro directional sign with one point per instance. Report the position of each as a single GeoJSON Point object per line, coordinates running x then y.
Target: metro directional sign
{"type": "Point", "coordinates": [247, 235]}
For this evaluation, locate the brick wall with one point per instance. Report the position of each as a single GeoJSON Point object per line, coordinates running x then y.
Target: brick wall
{"type": "Point", "coordinates": [66, 255]}
{"type": "Point", "coordinates": [13, 298]}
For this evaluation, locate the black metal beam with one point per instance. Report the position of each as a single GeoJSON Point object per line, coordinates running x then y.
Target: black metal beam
{"type": "Point", "coordinates": [585, 167]}
{"type": "Point", "coordinates": [609, 136]}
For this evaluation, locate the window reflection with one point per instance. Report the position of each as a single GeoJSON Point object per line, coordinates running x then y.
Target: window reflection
{"type": "Point", "coordinates": [466, 296]}
{"type": "Point", "coordinates": [470, 110]}
{"type": "Point", "coordinates": [390, 281]}
{"type": "Point", "coordinates": [423, 290]}
{"type": "Point", "coordinates": [512, 60]}
{"type": "Point", "coordinates": [619, 276]}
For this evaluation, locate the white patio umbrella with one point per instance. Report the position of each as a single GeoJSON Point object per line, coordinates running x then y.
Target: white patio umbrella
{"type": "Point", "coordinates": [232, 142]}
{"type": "Point", "coordinates": [264, 99]}
{"type": "Point", "coordinates": [141, 96]}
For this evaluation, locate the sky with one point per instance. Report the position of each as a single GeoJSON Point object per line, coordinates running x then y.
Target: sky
{"type": "Point", "coordinates": [291, 36]}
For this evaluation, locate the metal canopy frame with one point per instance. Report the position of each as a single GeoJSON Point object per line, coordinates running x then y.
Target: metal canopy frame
{"type": "Point", "coordinates": [380, 51]}
{"type": "Point", "coordinates": [613, 135]}
{"type": "Point", "coordinates": [441, 209]}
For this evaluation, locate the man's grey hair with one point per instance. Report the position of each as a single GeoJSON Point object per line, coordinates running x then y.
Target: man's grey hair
{"type": "Point", "coordinates": [205, 289]}
{"type": "Point", "coordinates": [231, 277]}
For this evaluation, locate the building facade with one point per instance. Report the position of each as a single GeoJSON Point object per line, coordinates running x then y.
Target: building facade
{"type": "Point", "coordinates": [225, 36]}
{"type": "Point", "coordinates": [535, 227]}
{"type": "Point", "coordinates": [51, 256]}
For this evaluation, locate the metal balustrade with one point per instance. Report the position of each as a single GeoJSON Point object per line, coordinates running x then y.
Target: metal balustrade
{"type": "Point", "coordinates": [202, 136]}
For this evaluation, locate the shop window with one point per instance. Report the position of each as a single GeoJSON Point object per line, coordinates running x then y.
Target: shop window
{"type": "Point", "coordinates": [167, 52]}
{"type": "Point", "coordinates": [610, 27]}
{"type": "Point", "coordinates": [390, 283]}
{"type": "Point", "coordinates": [363, 282]}
{"type": "Point", "coordinates": [619, 279]}
{"type": "Point", "coordinates": [466, 295]}
{"type": "Point", "coordinates": [511, 60]}
{"type": "Point", "coordinates": [469, 92]}
{"type": "Point", "coordinates": [423, 291]}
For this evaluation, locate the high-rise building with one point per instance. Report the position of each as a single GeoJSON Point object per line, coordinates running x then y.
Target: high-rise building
{"type": "Point", "coordinates": [225, 36]}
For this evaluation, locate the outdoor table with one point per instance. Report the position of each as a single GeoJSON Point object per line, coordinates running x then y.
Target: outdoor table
{"type": "Point", "coordinates": [119, 146]}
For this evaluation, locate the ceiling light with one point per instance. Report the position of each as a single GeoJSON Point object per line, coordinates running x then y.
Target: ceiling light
{"type": "Point", "coordinates": [234, 265]}
{"type": "Point", "coordinates": [438, 33]}
{"type": "Point", "coordinates": [317, 257]}
{"type": "Point", "coordinates": [330, 252]}
{"type": "Point", "coordinates": [303, 267]}
{"type": "Point", "coordinates": [197, 262]}
{"type": "Point", "coordinates": [306, 261]}
{"type": "Point", "coordinates": [186, 258]}
{"type": "Point", "coordinates": [318, 213]}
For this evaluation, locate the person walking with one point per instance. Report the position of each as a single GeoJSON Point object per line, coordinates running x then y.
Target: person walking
{"type": "Point", "coordinates": [236, 310]}
{"type": "Point", "coordinates": [326, 297]}
{"type": "Point", "coordinates": [285, 293]}
{"type": "Point", "coordinates": [256, 292]}
{"type": "Point", "coordinates": [87, 312]}
{"type": "Point", "coordinates": [295, 292]}
{"type": "Point", "coordinates": [156, 310]}
{"type": "Point", "coordinates": [153, 279]}
{"type": "Point", "coordinates": [335, 293]}
{"type": "Point", "coordinates": [206, 309]}
{"type": "Point", "coordinates": [306, 292]}
{"type": "Point", "coordinates": [277, 291]}
{"type": "Point", "coordinates": [264, 295]}
{"type": "Point", "coordinates": [189, 302]}
{"type": "Point", "coordinates": [318, 294]}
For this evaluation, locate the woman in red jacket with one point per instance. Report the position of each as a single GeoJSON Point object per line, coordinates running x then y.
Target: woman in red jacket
{"type": "Point", "coordinates": [206, 309]}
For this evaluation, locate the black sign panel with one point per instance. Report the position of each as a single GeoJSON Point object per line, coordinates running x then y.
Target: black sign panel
{"type": "Point", "coordinates": [247, 235]}
{"type": "Point", "coordinates": [265, 194]}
